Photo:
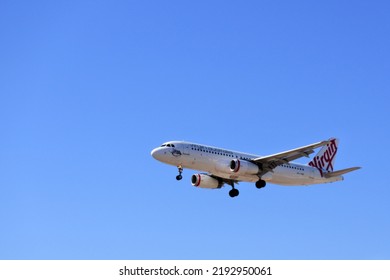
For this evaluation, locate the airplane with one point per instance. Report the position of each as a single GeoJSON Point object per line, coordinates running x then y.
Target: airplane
{"type": "Point", "coordinates": [229, 167]}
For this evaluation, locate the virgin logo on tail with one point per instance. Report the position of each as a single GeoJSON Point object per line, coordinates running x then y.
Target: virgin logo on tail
{"type": "Point", "coordinates": [325, 158]}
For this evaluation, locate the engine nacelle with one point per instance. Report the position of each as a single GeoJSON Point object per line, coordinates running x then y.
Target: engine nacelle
{"type": "Point", "coordinates": [243, 167]}
{"type": "Point", "coordinates": [205, 181]}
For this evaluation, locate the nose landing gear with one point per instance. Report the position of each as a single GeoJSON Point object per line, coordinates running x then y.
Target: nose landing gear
{"type": "Point", "coordinates": [180, 169]}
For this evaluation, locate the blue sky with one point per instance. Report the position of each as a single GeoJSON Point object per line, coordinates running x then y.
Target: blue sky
{"type": "Point", "coordinates": [89, 88]}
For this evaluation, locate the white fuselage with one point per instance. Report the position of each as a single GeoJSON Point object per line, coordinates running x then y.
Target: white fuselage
{"type": "Point", "coordinates": [216, 161]}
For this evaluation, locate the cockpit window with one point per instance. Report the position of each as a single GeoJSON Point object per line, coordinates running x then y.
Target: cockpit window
{"type": "Point", "coordinates": [168, 145]}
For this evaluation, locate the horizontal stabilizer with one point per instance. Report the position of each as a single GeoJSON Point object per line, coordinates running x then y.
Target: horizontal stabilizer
{"type": "Point", "coordinates": [340, 172]}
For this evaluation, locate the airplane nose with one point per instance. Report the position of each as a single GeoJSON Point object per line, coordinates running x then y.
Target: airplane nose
{"type": "Point", "coordinates": [159, 154]}
{"type": "Point", "coordinates": [155, 153]}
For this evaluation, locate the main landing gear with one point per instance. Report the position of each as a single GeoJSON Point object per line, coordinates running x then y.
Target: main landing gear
{"type": "Point", "coordinates": [179, 177]}
{"type": "Point", "coordinates": [260, 184]}
{"type": "Point", "coordinates": [233, 192]}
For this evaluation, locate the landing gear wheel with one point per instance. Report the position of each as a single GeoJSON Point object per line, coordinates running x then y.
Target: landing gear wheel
{"type": "Point", "coordinates": [180, 169]}
{"type": "Point", "coordinates": [234, 192]}
{"type": "Point", "coordinates": [260, 184]}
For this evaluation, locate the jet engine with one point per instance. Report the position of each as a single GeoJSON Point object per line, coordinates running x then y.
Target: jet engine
{"type": "Point", "coordinates": [205, 181]}
{"type": "Point", "coordinates": [243, 167]}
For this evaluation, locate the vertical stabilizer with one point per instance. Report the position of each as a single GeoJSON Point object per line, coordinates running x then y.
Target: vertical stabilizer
{"type": "Point", "coordinates": [325, 158]}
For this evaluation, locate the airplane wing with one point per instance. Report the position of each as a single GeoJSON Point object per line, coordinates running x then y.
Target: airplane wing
{"type": "Point", "coordinates": [267, 163]}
